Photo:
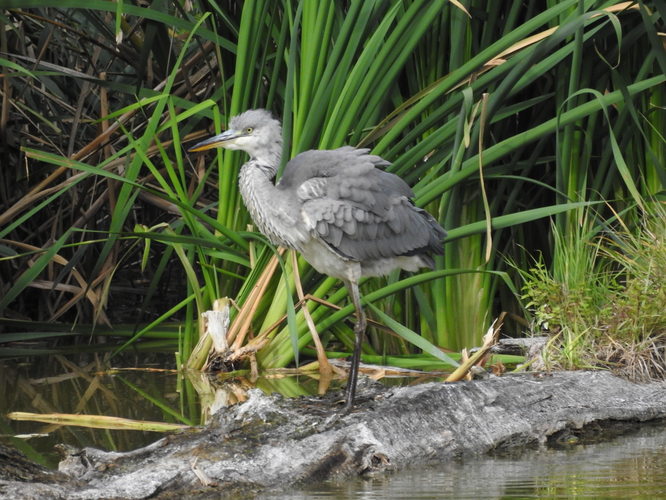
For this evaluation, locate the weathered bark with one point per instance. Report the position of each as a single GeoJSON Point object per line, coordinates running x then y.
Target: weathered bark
{"type": "Point", "coordinates": [272, 442]}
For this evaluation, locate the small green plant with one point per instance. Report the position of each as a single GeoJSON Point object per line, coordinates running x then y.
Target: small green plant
{"type": "Point", "coordinates": [603, 302]}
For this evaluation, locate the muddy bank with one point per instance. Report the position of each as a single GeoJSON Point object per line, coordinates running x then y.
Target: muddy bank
{"type": "Point", "coordinates": [272, 442]}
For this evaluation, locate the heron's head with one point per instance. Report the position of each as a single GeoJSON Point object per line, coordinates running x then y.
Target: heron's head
{"type": "Point", "coordinates": [255, 131]}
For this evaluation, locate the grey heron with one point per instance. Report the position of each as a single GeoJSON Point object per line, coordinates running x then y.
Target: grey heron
{"type": "Point", "coordinates": [346, 217]}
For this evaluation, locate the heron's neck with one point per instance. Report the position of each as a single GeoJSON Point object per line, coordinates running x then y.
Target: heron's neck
{"type": "Point", "coordinates": [260, 195]}
{"type": "Point", "coordinates": [268, 158]}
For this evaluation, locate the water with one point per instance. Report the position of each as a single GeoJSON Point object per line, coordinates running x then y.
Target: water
{"type": "Point", "coordinates": [85, 385]}
{"type": "Point", "coordinates": [630, 466]}
{"type": "Point", "coordinates": [89, 384]}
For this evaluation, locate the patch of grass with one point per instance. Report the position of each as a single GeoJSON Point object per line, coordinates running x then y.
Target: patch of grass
{"type": "Point", "coordinates": [603, 301]}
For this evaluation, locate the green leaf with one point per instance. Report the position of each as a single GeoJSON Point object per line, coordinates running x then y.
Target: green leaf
{"type": "Point", "coordinates": [412, 337]}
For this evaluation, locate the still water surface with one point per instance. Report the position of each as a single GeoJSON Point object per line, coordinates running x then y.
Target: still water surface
{"type": "Point", "coordinates": [630, 466]}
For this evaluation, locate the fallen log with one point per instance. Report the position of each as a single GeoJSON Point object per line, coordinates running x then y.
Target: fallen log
{"type": "Point", "coordinates": [272, 442]}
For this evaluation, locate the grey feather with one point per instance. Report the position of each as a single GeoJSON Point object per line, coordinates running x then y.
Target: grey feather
{"type": "Point", "coordinates": [344, 188]}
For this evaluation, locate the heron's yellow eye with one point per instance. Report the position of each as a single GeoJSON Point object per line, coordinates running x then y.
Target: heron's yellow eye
{"type": "Point", "coordinates": [248, 130]}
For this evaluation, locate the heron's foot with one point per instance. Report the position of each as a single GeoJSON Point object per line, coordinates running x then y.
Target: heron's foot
{"type": "Point", "coordinates": [349, 404]}
{"type": "Point", "coordinates": [344, 409]}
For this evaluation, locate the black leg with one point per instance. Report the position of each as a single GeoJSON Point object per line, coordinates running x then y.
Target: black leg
{"type": "Point", "coordinates": [359, 330]}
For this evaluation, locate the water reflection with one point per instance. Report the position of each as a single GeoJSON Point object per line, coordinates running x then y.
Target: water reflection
{"type": "Point", "coordinates": [92, 384]}
{"type": "Point", "coordinates": [630, 466]}
{"type": "Point", "coordinates": [84, 385]}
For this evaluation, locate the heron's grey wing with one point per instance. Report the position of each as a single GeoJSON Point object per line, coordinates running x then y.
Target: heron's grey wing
{"type": "Point", "coordinates": [361, 212]}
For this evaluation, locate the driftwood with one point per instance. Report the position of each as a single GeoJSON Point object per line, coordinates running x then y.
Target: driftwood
{"type": "Point", "coordinates": [272, 442]}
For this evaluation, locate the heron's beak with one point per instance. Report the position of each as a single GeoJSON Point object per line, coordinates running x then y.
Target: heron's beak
{"type": "Point", "coordinates": [216, 141]}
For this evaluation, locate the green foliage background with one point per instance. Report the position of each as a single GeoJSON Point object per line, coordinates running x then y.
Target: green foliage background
{"type": "Point", "coordinates": [508, 119]}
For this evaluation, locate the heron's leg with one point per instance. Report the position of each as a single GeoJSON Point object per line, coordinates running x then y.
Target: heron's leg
{"type": "Point", "coordinates": [359, 330]}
